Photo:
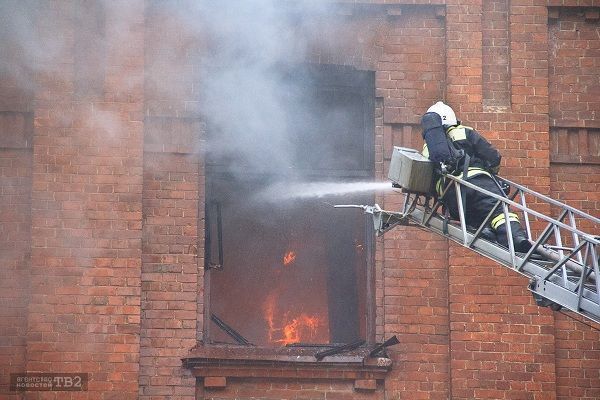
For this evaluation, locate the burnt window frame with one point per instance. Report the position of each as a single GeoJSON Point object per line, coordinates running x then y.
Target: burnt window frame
{"type": "Point", "coordinates": [351, 81]}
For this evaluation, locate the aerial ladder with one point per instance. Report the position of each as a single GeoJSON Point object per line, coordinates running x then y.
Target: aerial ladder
{"type": "Point", "coordinates": [562, 265]}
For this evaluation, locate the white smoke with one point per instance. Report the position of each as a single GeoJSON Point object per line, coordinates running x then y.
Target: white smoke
{"type": "Point", "coordinates": [248, 93]}
{"type": "Point", "coordinates": [243, 60]}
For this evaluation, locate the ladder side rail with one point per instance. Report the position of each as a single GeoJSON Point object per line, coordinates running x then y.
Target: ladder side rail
{"type": "Point", "coordinates": [565, 212]}
{"type": "Point", "coordinates": [556, 225]}
{"type": "Point", "coordinates": [531, 211]}
{"type": "Point", "coordinates": [552, 201]}
{"type": "Point", "coordinates": [568, 298]}
{"type": "Point", "coordinates": [554, 288]}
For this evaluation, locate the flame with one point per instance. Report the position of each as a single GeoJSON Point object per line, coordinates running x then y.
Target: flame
{"type": "Point", "coordinates": [289, 257]}
{"type": "Point", "coordinates": [300, 328]}
{"type": "Point", "coordinates": [291, 330]}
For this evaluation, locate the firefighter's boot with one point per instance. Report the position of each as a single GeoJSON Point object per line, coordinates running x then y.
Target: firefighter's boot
{"type": "Point", "coordinates": [488, 233]}
{"type": "Point", "coordinates": [520, 240]}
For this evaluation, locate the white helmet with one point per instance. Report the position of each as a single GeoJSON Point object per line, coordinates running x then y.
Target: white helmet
{"type": "Point", "coordinates": [445, 112]}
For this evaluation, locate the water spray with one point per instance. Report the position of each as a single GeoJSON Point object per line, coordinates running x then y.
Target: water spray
{"type": "Point", "coordinates": [307, 190]}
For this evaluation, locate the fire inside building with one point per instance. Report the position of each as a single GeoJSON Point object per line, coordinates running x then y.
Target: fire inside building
{"type": "Point", "coordinates": [169, 176]}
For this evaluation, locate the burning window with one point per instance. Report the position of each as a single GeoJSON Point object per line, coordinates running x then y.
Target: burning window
{"type": "Point", "coordinates": [283, 266]}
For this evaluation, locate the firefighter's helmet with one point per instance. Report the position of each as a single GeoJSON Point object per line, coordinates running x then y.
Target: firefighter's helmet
{"type": "Point", "coordinates": [445, 112]}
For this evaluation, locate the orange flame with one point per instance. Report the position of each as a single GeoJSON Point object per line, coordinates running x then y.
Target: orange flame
{"type": "Point", "coordinates": [294, 330]}
{"type": "Point", "coordinates": [289, 257]}
{"type": "Point", "coordinates": [299, 329]}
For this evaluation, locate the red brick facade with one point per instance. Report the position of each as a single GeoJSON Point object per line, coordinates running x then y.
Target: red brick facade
{"type": "Point", "coordinates": [102, 190]}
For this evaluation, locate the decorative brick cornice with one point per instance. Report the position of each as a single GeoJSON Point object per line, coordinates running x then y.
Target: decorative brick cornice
{"type": "Point", "coordinates": [286, 363]}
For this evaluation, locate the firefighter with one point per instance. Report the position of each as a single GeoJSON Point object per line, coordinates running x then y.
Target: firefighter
{"type": "Point", "coordinates": [483, 162]}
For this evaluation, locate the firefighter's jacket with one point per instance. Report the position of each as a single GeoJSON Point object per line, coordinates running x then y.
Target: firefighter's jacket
{"type": "Point", "coordinates": [483, 157]}
{"type": "Point", "coordinates": [484, 160]}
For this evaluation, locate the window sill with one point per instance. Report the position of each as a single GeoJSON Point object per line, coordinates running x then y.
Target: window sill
{"type": "Point", "coordinates": [219, 362]}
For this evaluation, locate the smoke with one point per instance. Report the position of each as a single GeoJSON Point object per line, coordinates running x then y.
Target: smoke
{"type": "Point", "coordinates": [253, 100]}
{"type": "Point", "coordinates": [22, 48]}
{"type": "Point", "coordinates": [59, 53]}
{"type": "Point", "coordinates": [246, 62]}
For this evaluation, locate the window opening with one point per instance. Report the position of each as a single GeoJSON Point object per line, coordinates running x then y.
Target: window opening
{"type": "Point", "coordinates": [294, 271]}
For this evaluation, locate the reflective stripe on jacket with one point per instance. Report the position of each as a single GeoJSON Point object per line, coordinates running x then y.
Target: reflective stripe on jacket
{"type": "Point", "coordinates": [473, 171]}
{"type": "Point", "coordinates": [500, 220]}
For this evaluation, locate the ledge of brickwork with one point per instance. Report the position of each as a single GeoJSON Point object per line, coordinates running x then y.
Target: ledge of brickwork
{"type": "Point", "coordinates": [591, 12]}
{"type": "Point", "coordinates": [219, 362]}
{"type": "Point", "coordinates": [574, 123]}
{"type": "Point", "coordinates": [574, 159]}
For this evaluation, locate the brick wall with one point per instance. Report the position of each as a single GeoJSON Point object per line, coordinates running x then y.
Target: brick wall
{"type": "Point", "coordinates": [102, 197]}
{"type": "Point", "coordinates": [574, 82]}
{"type": "Point", "coordinates": [496, 54]}
{"type": "Point", "coordinates": [284, 389]}
{"type": "Point", "coordinates": [574, 63]}
{"type": "Point", "coordinates": [577, 359]}
{"type": "Point", "coordinates": [500, 348]}
{"type": "Point", "coordinates": [169, 273]}
{"type": "Point", "coordinates": [577, 185]}
{"type": "Point", "coordinates": [575, 155]}
{"type": "Point", "coordinates": [16, 131]}
{"type": "Point", "coordinates": [84, 309]}
{"type": "Point", "coordinates": [173, 230]}
{"type": "Point", "coordinates": [415, 302]}
{"type": "Point", "coordinates": [15, 234]}
{"type": "Point", "coordinates": [412, 290]}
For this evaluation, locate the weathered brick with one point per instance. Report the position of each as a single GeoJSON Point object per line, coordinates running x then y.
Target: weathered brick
{"type": "Point", "coordinates": [100, 223]}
